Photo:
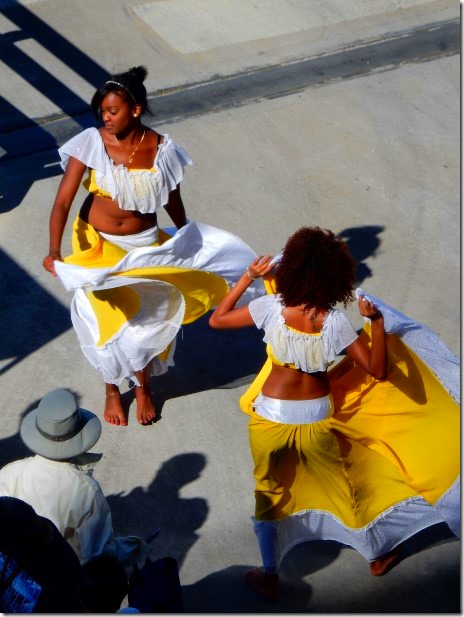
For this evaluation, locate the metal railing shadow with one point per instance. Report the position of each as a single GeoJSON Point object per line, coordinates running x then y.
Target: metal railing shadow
{"type": "Point", "coordinates": [21, 135]}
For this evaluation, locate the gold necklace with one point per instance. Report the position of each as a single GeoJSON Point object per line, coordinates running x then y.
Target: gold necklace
{"type": "Point", "coordinates": [131, 156]}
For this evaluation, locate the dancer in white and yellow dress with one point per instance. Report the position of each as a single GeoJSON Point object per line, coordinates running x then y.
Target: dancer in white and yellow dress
{"type": "Point", "coordinates": [134, 284]}
{"type": "Point", "coordinates": [367, 453]}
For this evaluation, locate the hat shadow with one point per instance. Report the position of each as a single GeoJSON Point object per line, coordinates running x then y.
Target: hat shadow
{"type": "Point", "coordinates": [12, 448]}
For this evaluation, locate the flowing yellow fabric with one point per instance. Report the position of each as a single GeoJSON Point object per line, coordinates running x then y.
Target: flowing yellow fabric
{"type": "Point", "coordinates": [114, 307]}
{"type": "Point", "coordinates": [386, 442]}
{"type": "Point", "coordinates": [409, 419]}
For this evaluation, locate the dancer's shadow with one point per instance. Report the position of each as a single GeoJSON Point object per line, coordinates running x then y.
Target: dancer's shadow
{"type": "Point", "coordinates": [160, 506]}
{"type": "Point", "coordinates": [362, 242]}
{"type": "Point", "coordinates": [423, 540]}
{"type": "Point", "coordinates": [225, 591]}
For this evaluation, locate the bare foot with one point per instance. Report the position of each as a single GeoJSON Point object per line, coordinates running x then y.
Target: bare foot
{"type": "Point", "coordinates": [114, 412]}
{"type": "Point", "coordinates": [386, 562]}
{"type": "Point", "coordinates": [267, 585]}
{"type": "Point", "coordinates": [146, 411]}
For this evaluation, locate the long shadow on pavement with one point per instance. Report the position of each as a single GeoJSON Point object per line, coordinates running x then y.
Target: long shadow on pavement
{"type": "Point", "coordinates": [409, 588]}
{"type": "Point", "coordinates": [19, 134]}
{"type": "Point", "coordinates": [31, 316]}
{"type": "Point", "coordinates": [162, 505]}
{"type": "Point", "coordinates": [362, 242]}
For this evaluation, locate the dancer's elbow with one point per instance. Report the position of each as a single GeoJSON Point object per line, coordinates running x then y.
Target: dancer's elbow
{"type": "Point", "coordinates": [380, 374]}
{"type": "Point", "coordinates": [215, 322]}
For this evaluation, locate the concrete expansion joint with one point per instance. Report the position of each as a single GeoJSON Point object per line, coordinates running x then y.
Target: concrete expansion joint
{"type": "Point", "coordinates": [272, 81]}
{"type": "Point", "coordinates": [170, 105]}
{"type": "Point", "coordinates": [389, 36]}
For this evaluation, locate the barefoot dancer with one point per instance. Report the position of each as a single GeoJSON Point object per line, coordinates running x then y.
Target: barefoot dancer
{"type": "Point", "coordinates": [367, 453]}
{"type": "Point", "coordinates": [134, 285]}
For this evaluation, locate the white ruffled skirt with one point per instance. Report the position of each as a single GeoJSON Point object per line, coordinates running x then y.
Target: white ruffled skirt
{"type": "Point", "coordinates": [128, 307]}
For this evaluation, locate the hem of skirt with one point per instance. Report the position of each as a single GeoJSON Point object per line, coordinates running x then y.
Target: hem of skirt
{"type": "Point", "coordinates": [158, 368]}
{"type": "Point", "coordinates": [393, 526]}
{"type": "Point", "coordinates": [95, 356]}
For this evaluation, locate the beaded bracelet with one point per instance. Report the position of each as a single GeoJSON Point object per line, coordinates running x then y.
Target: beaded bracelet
{"type": "Point", "coordinates": [375, 316]}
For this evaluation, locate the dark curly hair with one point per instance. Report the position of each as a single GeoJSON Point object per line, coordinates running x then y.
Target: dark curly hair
{"type": "Point", "coordinates": [316, 270]}
{"type": "Point", "coordinates": [128, 85]}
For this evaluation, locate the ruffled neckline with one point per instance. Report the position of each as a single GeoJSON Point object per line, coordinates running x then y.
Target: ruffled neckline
{"type": "Point", "coordinates": [121, 166]}
{"type": "Point", "coordinates": [295, 331]}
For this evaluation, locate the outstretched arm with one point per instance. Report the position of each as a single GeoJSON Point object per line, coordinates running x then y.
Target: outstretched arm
{"type": "Point", "coordinates": [226, 316]}
{"type": "Point", "coordinates": [374, 360]}
{"type": "Point", "coordinates": [175, 208]}
{"type": "Point", "coordinates": [63, 201]}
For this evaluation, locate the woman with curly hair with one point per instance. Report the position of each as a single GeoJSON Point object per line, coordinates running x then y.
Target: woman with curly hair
{"type": "Point", "coordinates": [135, 284]}
{"type": "Point", "coordinates": [333, 450]}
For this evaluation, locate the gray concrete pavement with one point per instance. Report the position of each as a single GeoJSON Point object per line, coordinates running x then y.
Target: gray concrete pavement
{"type": "Point", "coordinates": [373, 157]}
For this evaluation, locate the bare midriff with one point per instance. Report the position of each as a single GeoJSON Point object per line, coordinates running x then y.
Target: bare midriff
{"type": "Point", "coordinates": [105, 215]}
{"type": "Point", "coordinates": [294, 385]}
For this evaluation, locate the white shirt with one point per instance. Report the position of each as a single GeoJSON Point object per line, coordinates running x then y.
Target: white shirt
{"type": "Point", "coordinates": [144, 190]}
{"type": "Point", "coordinates": [309, 352]}
{"type": "Point", "coordinates": [67, 495]}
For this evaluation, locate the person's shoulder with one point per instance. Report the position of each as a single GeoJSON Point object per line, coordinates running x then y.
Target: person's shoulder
{"type": "Point", "coordinates": [84, 138]}
{"type": "Point", "coordinates": [15, 465]}
{"type": "Point", "coordinates": [92, 133]}
{"type": "Point", "coordinates": [336, 312]}
{"type": "Point", "coordinates": [91, 130]}
{"type": "Point", "coordinates": [84, 477]}
{"type": "Point", "coordinates": [87, 146]}
{"type": "Point", "coordinates": [339, 324]}
{"type": "Point", "coordinates": [169, 150]}
{"type": "Point", "coordinates": [337, 315]}
{"type": "Point", "coordinates": [267, 300]}
{"type": "Point", "coordinates": [265, 309]}
{"type": "Point", "coordinates": [165, 139]}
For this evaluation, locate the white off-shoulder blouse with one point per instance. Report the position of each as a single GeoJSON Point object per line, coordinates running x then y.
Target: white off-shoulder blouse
{"type": "Point", "coordinates": [143, 190]}
{"type": "Point", "coordinates": [309, 352]}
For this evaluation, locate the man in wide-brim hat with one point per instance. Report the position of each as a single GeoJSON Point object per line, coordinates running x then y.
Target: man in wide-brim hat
{"type": "Point", "coordinates": [58, 429]}
{"type": "Point", "coordinates": [59, 486]}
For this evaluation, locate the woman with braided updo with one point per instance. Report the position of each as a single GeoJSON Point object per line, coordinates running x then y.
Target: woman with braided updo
{"type": "Point", "coordinates": [343, 454]}
{"type": "Point", "coordinates": [134, 284]}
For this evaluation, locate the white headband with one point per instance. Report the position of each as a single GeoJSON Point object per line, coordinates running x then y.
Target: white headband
{"type": "Point", "coordinates": [111, 81]}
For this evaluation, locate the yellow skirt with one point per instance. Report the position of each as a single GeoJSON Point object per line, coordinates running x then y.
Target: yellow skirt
{"type": "Point", "coordinates": [128, 306]}
{"type": "Point", "coordinates": [382, 467]}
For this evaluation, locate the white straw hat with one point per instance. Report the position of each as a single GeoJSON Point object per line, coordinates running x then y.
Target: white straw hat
{"type": "Point", "coordinates": [58, 429]}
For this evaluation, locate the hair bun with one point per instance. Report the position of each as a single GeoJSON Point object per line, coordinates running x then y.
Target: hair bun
{"type": "Point", "coordinates": [138, 72]}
